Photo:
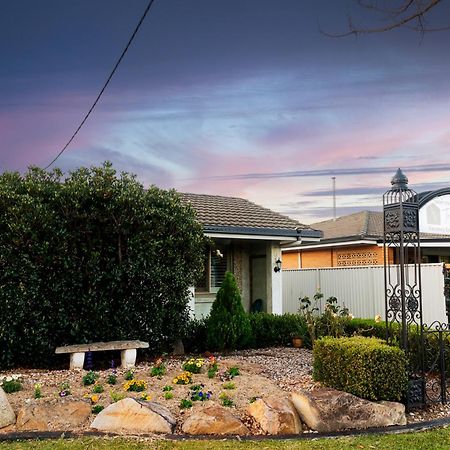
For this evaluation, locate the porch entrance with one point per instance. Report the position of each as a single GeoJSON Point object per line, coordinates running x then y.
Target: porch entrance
{"type": "Point", "coordinates": [258, 285]}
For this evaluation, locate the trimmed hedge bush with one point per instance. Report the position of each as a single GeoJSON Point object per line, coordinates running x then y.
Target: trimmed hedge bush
{"type": "Point", "coordinates": [269, 330]}
{"type": "Point", "coordinates": [365, 367]}
{"type": "Point", "coordinates": [91, 257]}
{"type": "Point", "coordinates": [365, 327]}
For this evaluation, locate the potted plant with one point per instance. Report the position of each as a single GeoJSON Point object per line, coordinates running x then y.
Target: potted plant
{"type": "Point", "coordinates": [297, 340]}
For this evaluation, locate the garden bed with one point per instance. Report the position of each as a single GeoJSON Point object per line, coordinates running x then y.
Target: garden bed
{"type": "Point", "coordinates": [262, 373]}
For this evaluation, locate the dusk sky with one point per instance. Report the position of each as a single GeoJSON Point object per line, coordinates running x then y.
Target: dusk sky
{"type": "Point", "coordinates": [243, 98]}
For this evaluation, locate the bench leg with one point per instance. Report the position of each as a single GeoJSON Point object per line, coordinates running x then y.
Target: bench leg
{"type": "Point", "coordinates": [76, 361]}
{"type": "Point", "coordinates": [128, 358]}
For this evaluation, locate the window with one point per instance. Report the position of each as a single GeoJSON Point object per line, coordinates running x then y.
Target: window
{"type": "Point", "coordinates": [215, 266]}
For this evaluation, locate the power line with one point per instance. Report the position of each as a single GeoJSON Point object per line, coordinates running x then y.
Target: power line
{"type": "Point", "coordinates": [105, 85]}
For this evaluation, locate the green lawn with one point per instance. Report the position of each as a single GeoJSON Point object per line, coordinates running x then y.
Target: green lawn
{"type": "Point", "coordinates": [436, 439]}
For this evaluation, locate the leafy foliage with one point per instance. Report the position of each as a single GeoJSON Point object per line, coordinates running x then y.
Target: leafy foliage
{"type": "Point", "coordinates": [228, 324]}
{"type": "Point", "coordinates": [91, 257]}
{"type": "Point", "coordinates": [365, 367]}
{"type": "Point", "coordinates": [270, 330]}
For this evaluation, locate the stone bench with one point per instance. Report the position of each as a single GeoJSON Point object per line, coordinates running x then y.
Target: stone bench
{"type": "Point", "coordinates": [127, 354]}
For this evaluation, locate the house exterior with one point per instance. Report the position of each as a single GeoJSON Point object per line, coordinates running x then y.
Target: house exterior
{"type": "Point", "coordinates": [246, 240]}
{"type": "Point", "coordinates": [357, 240]}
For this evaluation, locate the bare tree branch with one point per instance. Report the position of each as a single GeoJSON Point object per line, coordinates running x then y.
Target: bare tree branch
{"type": "Point", "coordinates": [409, 14]}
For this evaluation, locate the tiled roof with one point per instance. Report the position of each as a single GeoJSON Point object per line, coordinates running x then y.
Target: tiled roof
{"type": "Point", "coordinates": [218, 211]}
{"type": "Point", "coordinates": [361, 225]}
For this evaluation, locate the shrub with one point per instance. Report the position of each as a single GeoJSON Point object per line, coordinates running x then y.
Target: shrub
{"type": "Point", "coordinates": [228, 324]}
{"type": "Point", "coordinates": [331, 322]}
{"type": "Point", "coordinates": [269, 330]}
{"type": "Point", "coordinates": [76, 249]}
{"type": "Point", "coordinates": [365, 367]}
{"type": "Point", "coordinates": [365, 327]}
{"type": "Point", "coordinates": [195, 335]}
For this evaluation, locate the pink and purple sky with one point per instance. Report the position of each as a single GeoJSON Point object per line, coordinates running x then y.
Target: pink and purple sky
{"type": "Point", "coordinates": [244, 98]}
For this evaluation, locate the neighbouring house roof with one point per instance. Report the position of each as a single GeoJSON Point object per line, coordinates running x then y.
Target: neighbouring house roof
{"type": "Point", "coordinates": [232, 215]}
{"type": "Point", "coordinates": [360, 226]}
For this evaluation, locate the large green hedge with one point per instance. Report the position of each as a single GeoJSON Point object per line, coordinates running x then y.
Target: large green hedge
{"type": "Point", "coordinates": [90, 257]}
{"type": "Point", "coordinates": [365, 367]}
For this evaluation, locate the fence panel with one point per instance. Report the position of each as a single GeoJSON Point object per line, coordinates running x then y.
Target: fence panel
{"type": "Point", "coordinates": [361, 289]}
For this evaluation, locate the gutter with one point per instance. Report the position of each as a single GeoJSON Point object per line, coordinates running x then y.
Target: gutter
{"type": "Point", "coordinates": [284, 234]}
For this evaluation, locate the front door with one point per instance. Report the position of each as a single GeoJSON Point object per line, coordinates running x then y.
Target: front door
{"type": "Point", "coordinates": [258, 281]}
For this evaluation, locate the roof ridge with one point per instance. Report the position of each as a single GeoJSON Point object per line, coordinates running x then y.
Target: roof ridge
{"type": "Point", "coordinates": [365, 227]}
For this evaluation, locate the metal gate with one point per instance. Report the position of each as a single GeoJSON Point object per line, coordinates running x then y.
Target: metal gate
{"type": "Point", "coordinates": [436, 351]}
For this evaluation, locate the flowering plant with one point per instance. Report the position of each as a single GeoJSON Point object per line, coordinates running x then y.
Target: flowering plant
{"type": "Point", "coordinates": [37, 391]}
{"type": "Point", "coordinates": [213, 367]}
{"type": "Point", "coordinates": [159, 369]}
{"type": "Point", "coordinates": [198, 394]}
{"type": "Point", "coordinates": [135, 385]}
{"type": "Point", "coordinates": [184, 378]}
{"type": "Point", "coordinates": [11, 383]}
{"type": "Point", "coordinates": [64, 389]}
{"type": "Point", "coordinates": [194, 365]}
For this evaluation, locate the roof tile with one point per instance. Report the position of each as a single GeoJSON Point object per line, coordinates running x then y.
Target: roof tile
{"type": "Point", "coordinates": [216, 210]}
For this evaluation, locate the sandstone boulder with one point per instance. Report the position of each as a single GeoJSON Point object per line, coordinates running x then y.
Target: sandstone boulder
{"type": "Point", "coordinates": [129, 416]}
{"type": "Point", "coordinates": [326, 410]}
{"type": "Point", "coordinates": [275, 415]}
{"type": "Point", "coordinates": [42, 416]}
{"type": "Point", "coordinates": [213, 420]}
{"type": "Point", "coordinates": [7, 416]}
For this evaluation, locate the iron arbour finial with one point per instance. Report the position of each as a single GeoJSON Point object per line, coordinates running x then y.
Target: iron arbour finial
{"type": "Point", "coordinates": [399, 180]}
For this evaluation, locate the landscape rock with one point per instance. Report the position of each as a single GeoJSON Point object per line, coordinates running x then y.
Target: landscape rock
{"type": "Point", "coordinates": [275, 415]}
{"type": "Point", "coordinates": [326, 410]}
{"type": "Point", "coordinates": [7, 416]}
{"type": "Point", "coordinates": [213, 420]}
{"type": "Point", "coordinates": [130, 416]}
{"type": "Point", "coordinates": [38, 415]}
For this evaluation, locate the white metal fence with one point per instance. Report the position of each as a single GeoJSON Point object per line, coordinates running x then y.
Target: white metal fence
{"type": "Point", "coordinates": [361, 289]}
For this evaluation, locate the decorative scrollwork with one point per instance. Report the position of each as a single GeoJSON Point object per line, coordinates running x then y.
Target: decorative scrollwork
{"type": "Point", "coordinates": [410, 218]}
{"type": "Point", "coordinates": [391, 220]}
{"type": "Point", "coordinates": [412, 304]}
{"type": "Point", "coordinates": [395, 303]}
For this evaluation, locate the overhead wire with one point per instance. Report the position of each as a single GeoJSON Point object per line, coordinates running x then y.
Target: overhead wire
{"type": "Point", "coordinates": [147, 9]}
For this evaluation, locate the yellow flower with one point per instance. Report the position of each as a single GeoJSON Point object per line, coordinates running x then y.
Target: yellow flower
{"type": "Point", "coordinates": [94, 398]}
{"type": "Point", "coordinates": [377, 318]}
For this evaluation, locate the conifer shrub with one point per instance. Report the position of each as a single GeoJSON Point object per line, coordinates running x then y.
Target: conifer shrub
{"type": "Point", "coordinates": [228, 324]}
{"type": "Point", "coordinates": [365, 367]}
